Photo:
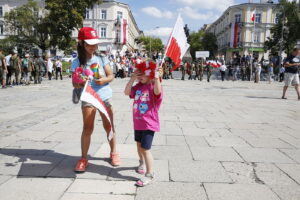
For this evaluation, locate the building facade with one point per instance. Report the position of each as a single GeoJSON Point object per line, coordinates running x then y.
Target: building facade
{"type": "Point", "coordinates": [236, 32]}
{"type": "Point", "coordinates": [108, 19]}
{"type": "Point", "coordinates": [7, 6]}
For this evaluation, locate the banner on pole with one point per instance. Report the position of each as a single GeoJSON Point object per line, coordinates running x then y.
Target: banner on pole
{"type": "Point", "coordinates": [202, 54]}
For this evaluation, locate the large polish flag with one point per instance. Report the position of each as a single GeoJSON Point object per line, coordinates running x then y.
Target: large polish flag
{"type": "Point", "coordinates": [177, 45]}
{"type": "Point", "coordinates": [90, 96]}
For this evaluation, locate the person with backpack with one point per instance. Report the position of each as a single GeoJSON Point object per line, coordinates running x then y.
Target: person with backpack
{"type": "Point", "coordinates": [3, 70]}
{"type": "Point", "coordinates": [38, 65]}
{"type": "Point", "coordinates": [15, 68]}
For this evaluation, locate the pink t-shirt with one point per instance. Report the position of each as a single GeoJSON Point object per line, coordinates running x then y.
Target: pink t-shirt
{"type": "Point", "coordinates": [145, 107]}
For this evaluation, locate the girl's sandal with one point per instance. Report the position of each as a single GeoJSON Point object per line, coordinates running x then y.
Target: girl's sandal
{"type": "Point", "coordinates": [141, 169]}
{"type": "Point", "coordinates": [145, 180]}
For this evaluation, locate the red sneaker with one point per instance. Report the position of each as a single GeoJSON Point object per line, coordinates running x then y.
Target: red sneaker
{"type": "Point", "coordinates": [81, 165]}
{"type": "Point", "coordinates": [114, 159]}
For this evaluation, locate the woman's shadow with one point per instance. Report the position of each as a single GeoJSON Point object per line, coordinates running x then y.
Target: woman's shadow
{"type": "Point", "coordinates": [48, 163]}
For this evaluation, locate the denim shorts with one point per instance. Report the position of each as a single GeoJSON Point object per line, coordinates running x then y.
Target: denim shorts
{"type": "Point", "coordinates": [86, 104]}
{"type": "Point", "coordinates": [145, 137]}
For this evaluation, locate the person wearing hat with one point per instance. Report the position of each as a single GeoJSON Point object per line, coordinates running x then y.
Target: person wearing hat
{"type": "Point", "coordinates": [16, 67]}
{"type": "Point", "coordinates": [87, 45]}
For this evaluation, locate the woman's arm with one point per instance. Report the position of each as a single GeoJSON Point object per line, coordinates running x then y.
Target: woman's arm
{"type": "Point", "coordinates": [109, 76]}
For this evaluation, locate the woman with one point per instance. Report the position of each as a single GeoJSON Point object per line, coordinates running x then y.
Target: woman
{"type": "Point", "coordinates": [87, 45]}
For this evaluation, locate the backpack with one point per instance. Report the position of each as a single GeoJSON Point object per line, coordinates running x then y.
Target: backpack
{"type": "Point", "coordinates": [25, 63]}
{"type": "Point", "coordinates": [14, 62]}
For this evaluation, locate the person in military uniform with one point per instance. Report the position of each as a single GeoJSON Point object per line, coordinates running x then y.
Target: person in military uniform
{"type": "Point", "coordinates": [183, 70]}
{"type": "Point", "coordinates": [197, 71]}
{"type": "Point", "coordinates": [15, 68]}
{"type": "Point", "coordinates": [38, 65]}
{"type": "Point", "coordinates": [3, 70]}
{"type": "Point", "coordinates": [201, 71]}
{"type": "Point", "coordinates": [208, 70]}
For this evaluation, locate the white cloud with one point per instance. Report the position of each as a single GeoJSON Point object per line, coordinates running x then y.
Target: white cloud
{"type": "Point", "coordinates": [161, 32]}
{"type": "Point", "coordinates": [155, 12]}
{"type": "Point", "coordinates": [219, 5]}
{"type": "Point", "coordinates": [195, 14]}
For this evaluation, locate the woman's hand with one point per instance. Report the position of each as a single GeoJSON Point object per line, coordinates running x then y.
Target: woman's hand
{"type": "Point", "coordinates": [100, 81]}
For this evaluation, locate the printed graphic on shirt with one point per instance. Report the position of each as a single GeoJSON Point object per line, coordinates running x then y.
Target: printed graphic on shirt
{"type": "Point", "coordinates": [135, 107]}
{"type": "Point", "coordinates": [138, 93]}
{"type": "Point", "coordinates": [145, 96]}
{"type": "Point", "coordinates": [143, 108]}
{"type": "Point", "coordinates": [296, 60]}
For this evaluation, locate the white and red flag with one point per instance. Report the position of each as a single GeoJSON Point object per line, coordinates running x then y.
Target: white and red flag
{"type": "Point", "coordinates": [253, 15]}
{"type": "Point", "coordinates": [90, 96]}
{"type": "Point", "coordinates": [177, 45]}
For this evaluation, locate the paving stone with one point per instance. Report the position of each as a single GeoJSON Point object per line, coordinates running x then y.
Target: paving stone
{"type": "Point", "coordinates": [292, 153]}
{"type": "Point", "coordinates": [263, 155]}
{"type": "Point", "coordinates": [4, 178]}
{"type": "Point", "coordinates": [102, 187]}
{"type": "Point", "coordinates": [27, 147]}
{"type": "Point", "coordinates": [171, 191]}
{"type": "Point", "coordinates": [34, 188]}
{"type": "Point", "coordinates": [215, 154]}
{"type": "Point", "coordinates": [292, 170]}
{"type": "Point", "coordinates": [201, 132]}
{"type": "Point", "coordinates": [171, 152]}
{"type": "Point", "coordinates": [287, 192]}
{"type": "Point", "coordinates": [268, 143]}
{"type": "Point", "coordinates": [198, 171]}
{"type": "Point", "coordinates": [196, 141]}
{"type": "Point", "coordinates": [219, 191]}
{"type": "Point", "coordinates": [176, 140]}
{"type": "Point", "coordinates": [226, 142]}
{"type": "Point", "coordinates": [76, 196]}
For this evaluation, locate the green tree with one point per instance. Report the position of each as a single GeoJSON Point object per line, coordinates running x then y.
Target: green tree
{"type": "Point", "coordinates": [66, 16]}
{"type": "Point", "coordinates": [195, 41]}
{"type": "Point", "coordinates": [287, 27]}
{"type": "Point", "coordinates": [26, 27]}
{"type": "Point", "coordinates": [53, 29]}
{"type": "Point", "coordinates": [209, 43]}
{"type": "Point", "coordinates": [151, 43]}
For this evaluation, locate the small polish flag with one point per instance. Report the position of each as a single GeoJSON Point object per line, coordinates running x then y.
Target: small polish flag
{"type": "Point", "coordinates": [253, 16]}
{"type": "Point", "coordinates": [90, 96]}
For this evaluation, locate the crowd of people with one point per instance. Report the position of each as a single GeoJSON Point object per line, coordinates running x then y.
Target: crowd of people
{"type": "Point", "coordinates": [243, 68]}
{"type": "Point", "coordinates": [16, 70]}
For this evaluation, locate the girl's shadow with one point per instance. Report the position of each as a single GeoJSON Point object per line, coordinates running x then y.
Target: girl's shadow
{"type": "Point", "coordinates": [48, 163]}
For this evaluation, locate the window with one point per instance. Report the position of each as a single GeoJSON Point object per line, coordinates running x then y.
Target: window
{"type": "Point", "coordinates": [103, 14]}
{"type": "Point", "coordinates": [1, 29]}
{"type": "Point", "coordinates": [87, 14]}
{"type": "Point", "coordinates": [256, 37]}
{"type": "Point", "coordinates": [119, 15]}
{"type": "Point", "coordinates": [238, 18]}
{"type": "Point", "coordinates": [103, 32]}
{"type": "Point", "coordinates": [1, 11]}
{"type": "Point", "coordinates": [258, 18]}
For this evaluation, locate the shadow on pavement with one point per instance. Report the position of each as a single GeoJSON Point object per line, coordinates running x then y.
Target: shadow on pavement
{"type": "Point", "coordinates": [254, 97]}
{"type": "Point", "coordinates": [29, 163]}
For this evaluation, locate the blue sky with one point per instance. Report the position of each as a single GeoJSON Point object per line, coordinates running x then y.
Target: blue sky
{"type": "Point", "coordinates": [157, 17]}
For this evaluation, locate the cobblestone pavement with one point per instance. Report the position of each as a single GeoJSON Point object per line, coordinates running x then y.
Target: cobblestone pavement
{"type": "Point", "coordinates": [219, 141]}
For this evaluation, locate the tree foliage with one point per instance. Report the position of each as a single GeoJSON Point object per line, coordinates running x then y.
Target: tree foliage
{"type": "Point", "coordinates": [203, 41]}
{"type": "Point", "coordinates": [289, 17]}
{"type": "Point", "coordinates": [51, 29]}
{"type": "Point", "coordinates": [152, 44]}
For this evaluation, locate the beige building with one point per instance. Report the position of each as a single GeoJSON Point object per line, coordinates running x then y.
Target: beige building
{"type": "Point", "coordinates": [106, 19]}
{"type": "Point", "coordinates": [237, 33]}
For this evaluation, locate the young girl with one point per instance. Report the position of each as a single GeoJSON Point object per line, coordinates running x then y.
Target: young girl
{"type": "Point", "coordinates": [87, 45]}
{"type": "Point", "coordinates": [147, 95]}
